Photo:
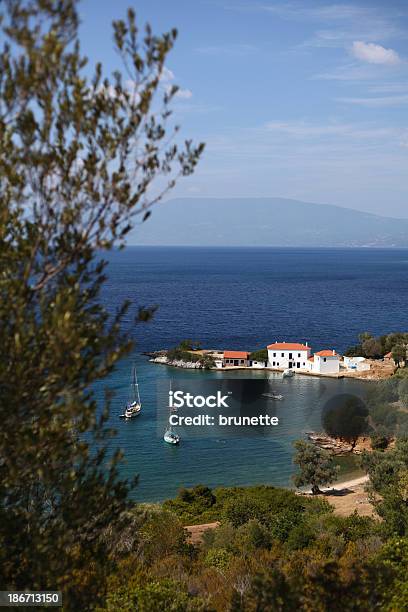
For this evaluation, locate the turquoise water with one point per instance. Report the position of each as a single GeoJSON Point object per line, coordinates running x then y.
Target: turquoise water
{"type": "Point", "coordinates": [243, 299]}
{"type": "Point", "coordinates": [216, 458]}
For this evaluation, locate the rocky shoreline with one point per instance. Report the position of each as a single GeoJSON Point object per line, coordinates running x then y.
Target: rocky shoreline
{"type": "Point", "coordinates": [161, 358]}
{"type": "Point", "coordinates": [338, 447]}
{"type": "Point", "coordinates": [178, 363]}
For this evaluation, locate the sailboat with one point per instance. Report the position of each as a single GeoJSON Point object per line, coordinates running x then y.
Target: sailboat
{"type": "Point", "coordinates": [169, 435]}
{"type": "Point", "coordinates": [134, 406]}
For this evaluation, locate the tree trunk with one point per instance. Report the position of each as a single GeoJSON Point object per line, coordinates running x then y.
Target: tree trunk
{"type": "Point", "coordinates": [315, 490]}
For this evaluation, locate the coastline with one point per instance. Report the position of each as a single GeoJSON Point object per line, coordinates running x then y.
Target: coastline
{"type": "Point", "coordinates": [376, 373]}
{"type": "Point", "coordinates": [348, 484]}
{"type": "Point", "coordinates": [347, 497]}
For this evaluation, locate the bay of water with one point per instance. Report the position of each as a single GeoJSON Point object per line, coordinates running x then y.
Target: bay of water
{"type": "Point", "coordinates": [243, 299]}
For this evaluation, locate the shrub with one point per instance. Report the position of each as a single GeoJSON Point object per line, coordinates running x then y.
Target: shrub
{"type": "Point", "coordinates": [219, 558]}
{"type": "Point", "coordinates": [379, 441]}
{"type": "Point", "coordinates": [316, 466]}
{"type": "Point", "coordinates": [345, 417]}
{"type": "Point", "coordinates": [261, 355]}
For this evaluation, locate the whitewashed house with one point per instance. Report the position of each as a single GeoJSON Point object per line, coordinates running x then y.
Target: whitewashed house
{"type": "Point", "coordinates": [256, 364]}
{"type": "Point", "coordinates": [356, 363]}
{"type": "Point", "coordinates": [292, 355]}
{"type": "Point", "coordinates": [324, 362]}
{"type": "Point", "coordinates": [218, 357]}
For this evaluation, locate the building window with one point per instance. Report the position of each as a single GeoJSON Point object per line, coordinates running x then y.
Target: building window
{"type": "Point", "coordinates": [282, 354]}
{"type": "Point", "coordinates": [274, 354]}
{"type": "Point", "coordinates": [324, 359]}
{"type": "Point", "coordinates": [303, 365]}
{"type": "Point", "coordinates": [298, 354]}
{"type": "Point", "coordinates": [290, 355]}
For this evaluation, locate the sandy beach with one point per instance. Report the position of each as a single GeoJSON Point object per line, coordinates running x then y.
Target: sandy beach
{"type": "Point", "coordinates": [349, 496]}
{"type": "Point", "coordinates": [347, 484]}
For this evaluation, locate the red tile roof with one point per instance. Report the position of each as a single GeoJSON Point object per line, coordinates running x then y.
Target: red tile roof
{"type": "Point", "coordinates": [235, 355]}
{"type": "Point", "coordinates": [289, 346]}
{"type": "Point", "coordinates": [311, 358]}
{"type": "Point", "coordinates": [388, 355]}
{"type": "Point", "coordinates": [327, 353]}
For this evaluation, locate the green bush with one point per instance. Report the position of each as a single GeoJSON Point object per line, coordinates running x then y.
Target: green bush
{"type": "Point", "coordinates": [181, 354]}
{"type": "Point", "coordinates": [252, 536]}
{"type": "Point", "coordinates": [239, 504]}
{"type": "Point", "coordinates": [177, 354]}
{"type": "Point", "coordinates": [219, 558]}
{"type": "Point", "coordinates": [261, 355]}
{"type": "Point", "coordinates": [166, 594]}
{"type": "Point", "coordinates": [376, 347]}
{"type": "Point", "coordinates": [188, 345]}
{"type": "Point", "coordinates": [283, 523]}
{"type": "Point", "coordinates": [379, 441]}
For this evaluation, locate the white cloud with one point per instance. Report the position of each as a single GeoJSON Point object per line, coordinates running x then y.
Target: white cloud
{"type": "Point", "coordinates": [352, 72]}
{"type": "Point", "coordinates": [167, 75]}
{"type": "Point", "coordinates": [312, 131]}
{"type": "Point", "coordinates": [184, 94]}
{"type": "Point", "coordinates": [374, 54]}
{"type": "Point", "coordinates": [303, 129]}
{"type": "Point", "coordinates": [342, 23]}
{"type": "Point", "coordinates": [376, 102]}
{"type": "Point", "coordinates": [129, 86]}
{"type": "Point", "coordinates": [389, 88]}
{"type": "Point", "coordinates": [329, 12]}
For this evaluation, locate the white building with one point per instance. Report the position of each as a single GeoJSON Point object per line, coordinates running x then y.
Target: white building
{"type": "Point", "coordinates": [324, 362]}
{"type": "Point", "coordinates": [356, 363]}
{"type": "Point", "coordinates": [292, 355]}
{"type": "Point", "coordinates": [235, 359]}
{"type": "Point", "coordinates": [256, 364]}
{"type": "Point", "coordinates": [218, 357]}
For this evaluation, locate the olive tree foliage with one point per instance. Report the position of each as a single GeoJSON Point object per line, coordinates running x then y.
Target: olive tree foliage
{"type": "Point", "coordinates": [79, 155]}
{"type": "Point", "coordinates": [345, 416]}
{"type": "Point", "coordinates": [316, 467]}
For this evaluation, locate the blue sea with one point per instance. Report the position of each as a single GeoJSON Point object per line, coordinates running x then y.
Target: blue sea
{"type": "Point", "coordinates": [242, 298]}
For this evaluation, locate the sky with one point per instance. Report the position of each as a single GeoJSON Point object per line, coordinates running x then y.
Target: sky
{"type": "Point", "coordinates": [305, 99]}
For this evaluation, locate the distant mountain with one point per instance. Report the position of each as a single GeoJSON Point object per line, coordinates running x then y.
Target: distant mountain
{"type": "Point", "coordinates": [267, 222]}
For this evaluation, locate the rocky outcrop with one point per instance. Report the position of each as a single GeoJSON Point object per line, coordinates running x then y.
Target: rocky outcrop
{"type": "Point", "coordinates": [338, 447]}
{"type": "Point", "coordinates": [178, 363]}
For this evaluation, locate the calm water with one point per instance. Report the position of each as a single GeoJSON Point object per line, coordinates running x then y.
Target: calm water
{"type": "Point", "coordinates": [244, 299]}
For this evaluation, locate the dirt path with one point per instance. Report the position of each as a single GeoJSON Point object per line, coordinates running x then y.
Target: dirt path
{"type": "Point", "coordinates": [195, 532]}
{"type": "Point", "coordinates": [348, 496]}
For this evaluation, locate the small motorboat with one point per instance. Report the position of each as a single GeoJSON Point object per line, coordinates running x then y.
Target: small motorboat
{"type": "Point", "coordinates": [288, 373]}
{"type": "Point", "coordinates": [134, 406]}
{"type": "Point", "coordinates": [274, 396]}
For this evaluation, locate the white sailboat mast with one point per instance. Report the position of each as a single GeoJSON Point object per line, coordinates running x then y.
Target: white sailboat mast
{"type": "Point", "coordinates": [136, 386]}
